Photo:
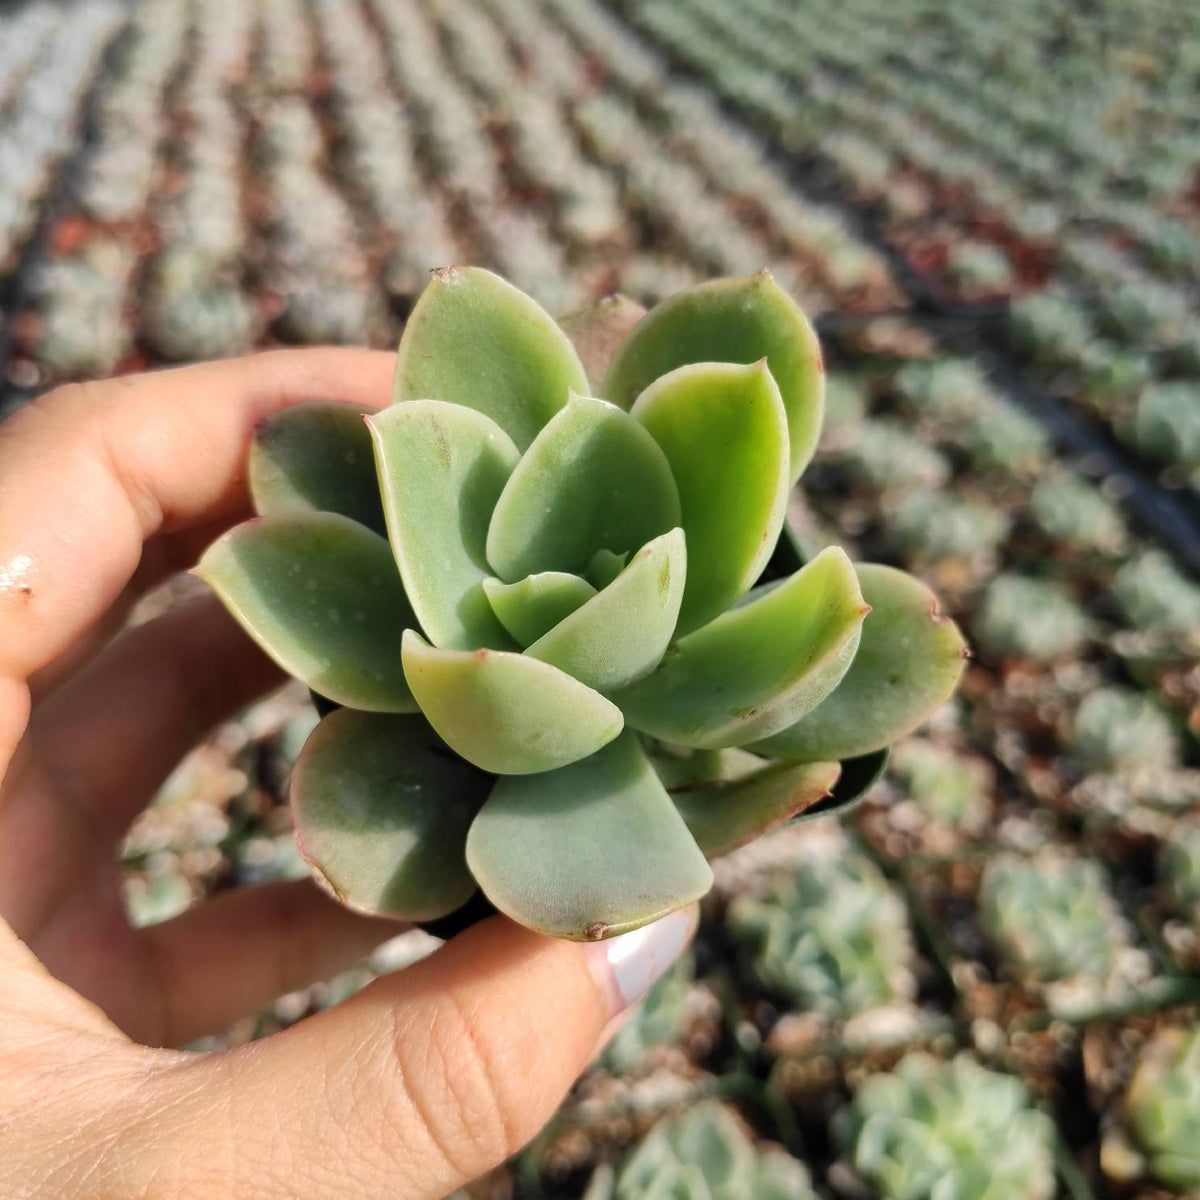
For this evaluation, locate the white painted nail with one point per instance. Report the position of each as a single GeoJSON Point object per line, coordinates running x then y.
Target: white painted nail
{"type": "Point", "coordinates": [627, 966]}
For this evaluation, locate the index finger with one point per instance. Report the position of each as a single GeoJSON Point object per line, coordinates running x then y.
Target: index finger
{"type": "Point", "coordinates": [89, 472]}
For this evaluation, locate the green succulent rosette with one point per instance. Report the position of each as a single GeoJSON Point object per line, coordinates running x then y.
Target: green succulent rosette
{"type": "Point", "coordinates": [555, 674]}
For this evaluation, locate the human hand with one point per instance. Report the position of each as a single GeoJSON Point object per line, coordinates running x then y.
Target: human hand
{"type": "Point", "coordinates": [422, 1081]}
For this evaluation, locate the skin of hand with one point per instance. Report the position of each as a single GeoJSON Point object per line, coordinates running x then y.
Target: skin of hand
{"type": "Point", "coordinates": [419, 1083]}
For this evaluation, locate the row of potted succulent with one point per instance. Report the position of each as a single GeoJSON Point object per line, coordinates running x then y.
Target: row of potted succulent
{"type": "Point", "coordinates": [49, 66]}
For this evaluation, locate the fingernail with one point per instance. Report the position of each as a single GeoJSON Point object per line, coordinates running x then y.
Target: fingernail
{"type": "Point", "coordinates": [627, 966]}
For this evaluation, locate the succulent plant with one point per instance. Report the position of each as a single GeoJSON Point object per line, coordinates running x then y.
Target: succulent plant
{"type": "Point", "coordinates": [935, 525]}
{"type": "Point", "coordinates": [1162, 1108]}
{"type": "Point", "coordinates": [1147, 312]}
{"type": "Point", "coordinates": [514, 590]}
{"type": "Point", "coordinates": [705, 1154]}
{"type": "Point", "coordinates": [1166, 424]}
{"type": "Point", "coordinates": [1116, 729]}
{"type": "Point", "coordinates": [1180, 867]}
{"type": "Point", "coordinates": [887, 456]}
{"type": "Point", "coordinates": [951, 789]}
{"type": "Point", "coordinates": [1051, 916]}
{"type": "Point", "coordinates": [1113, 375]}
{"type": "Point", "coordinates": [833, 937]}
{"type": "Point", "coordinates": [1050, 328]}
{"type": "Point", "coordinates": [1005, 438]}
{"type": "Point", "coordinates": [945, 388]}
{"type": "Point", "coordinates": [1156, 596]}
{"type": "Point", "coordinates": [932, 1130]}
{"type": "Point", "coordinates": [1021, 617]}
{"type": "Point", "coordinates": [981, 268]}
{"type": "Point", "coordinates": [1076, 513]}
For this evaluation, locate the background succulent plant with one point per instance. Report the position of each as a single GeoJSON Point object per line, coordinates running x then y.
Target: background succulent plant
{"type": "Point", "coordinates": [936, 1129]}
{"type": "Point", "coordinates": [1051, 916]}
{"type": "Point", "coordinates": [1022, 617]}
{"type": "Point", "coordinates": [1180, 866]}
{"type": "Point", "coordinates": [950, 789]}
{"type": "Point", "coordinates": [705, 1154]}
{"type": "Point", "coordinates": [1162, 1108]}
{"type": "Point", "coordinates": [1075, 513]}
{"type": "Point", "coordinates": [514, 590]}
{"type": "Point", "coordinates": [833, 936]}
{"type": "Point", "coordinates": [1156, 596]}
{"type": "Point", "coordinates": [1116, 729]}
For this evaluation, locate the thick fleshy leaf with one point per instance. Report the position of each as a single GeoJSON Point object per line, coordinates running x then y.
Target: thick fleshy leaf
{"type": "Point", "coordinates": [734, 321]}
{"type": "Point", "coordinates": [593, 479]}
{"type": "Point", "coordinates": [507, 713]}
{"type": "Point", "coordinates": [473, 339]}
{"type": "Point", "coordinates": [620, 634]}
{"type": "Point", "coordinates": [908, 664]}
{"type": "Point", "coordinates": [605, 567]}
{"type": "Point", "coordinates": [598, 330]}
{"type": "Point", "coordinates": [531, 606]}
{"type": "Point", "coordinates": [316, 457]}
{"type": "Point", "coordinates": [441, 468]}
{"type": "Point", "coordinates": [382, 810]}
{"type": "Point", "coordinates": [757, 666]}
{"type": "Point", "coordinates": [588, 851]}
{"type": "Point", "coordinates": [321, 595]}
{"type": "Point", "coordinates": [723, 430]}
{"type": "Point", "coordinates": [680, 767]}
{"type": "Point", "coordinates": [726, 813]}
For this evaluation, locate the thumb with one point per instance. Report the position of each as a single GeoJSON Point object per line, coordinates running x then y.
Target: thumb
{"type": "Point", "coordinates": [423, 1081]}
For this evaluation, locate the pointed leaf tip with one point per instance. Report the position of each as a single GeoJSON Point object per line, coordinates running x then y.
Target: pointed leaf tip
{"type": "Point", "coordinates": [909, 662]}
{"type": "Point", "coordinates": [592, 480]}
{"type": "Point", "coordinates": [757, 666]}
{"type": "Point", "coordinates": [733, 321]}
{"type": "Point", "coordinates": [441, 468]}
{"type": "Point", "coordinates": [621, 633]}
{"type": "Point", "coordinates": [507, 713]}
{"type": "Point", "coordinates": [474, 340]}
{"type": "Point", "coordinates": [723, 431]}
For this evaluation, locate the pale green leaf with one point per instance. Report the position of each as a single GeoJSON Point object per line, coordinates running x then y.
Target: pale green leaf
{"type": "Point", "coordinates": [723, 430]}
{"type": "Point", "coordinates": [726, 813]}
{"type": "Point", "coordinates": [593, 479]}
{"type": "Point", "coordinates": [598, 330]}
{"type": "Point", "coordinates": [474, 340]}
{"type": "Point", "coordinates": [321, 595]}
{"type": "Point", "coordinates": [316, 457]}
{"type": "Point", "coordinates": [382, 810]}
{"type": "Point", "coordinates": [588, 851]}
{"type": "Point", "coordinates": [531, 606]}
{"type": "Point", "coordinates": [507, 713]}
{"type": "Point", "coordinates": [734, 321]}
{"type": "Point", "coordinates": [759, 667]}
{"type": "Point", "coordinates": [441, 468]}
{"type": "Point", "coordinates": [620, 634]}
{"type": "Point", "coordinates": [605, 567]}
{"type": "Point", "coordinates": [908, 664]}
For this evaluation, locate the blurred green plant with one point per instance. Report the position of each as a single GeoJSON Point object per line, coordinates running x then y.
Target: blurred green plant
{"type": "Point", "coordinates": [833, 937]}
{"type": "Point", "coordinates": [704, 1154]}
{"type": "Point", "coordinates": [931, 1130]}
